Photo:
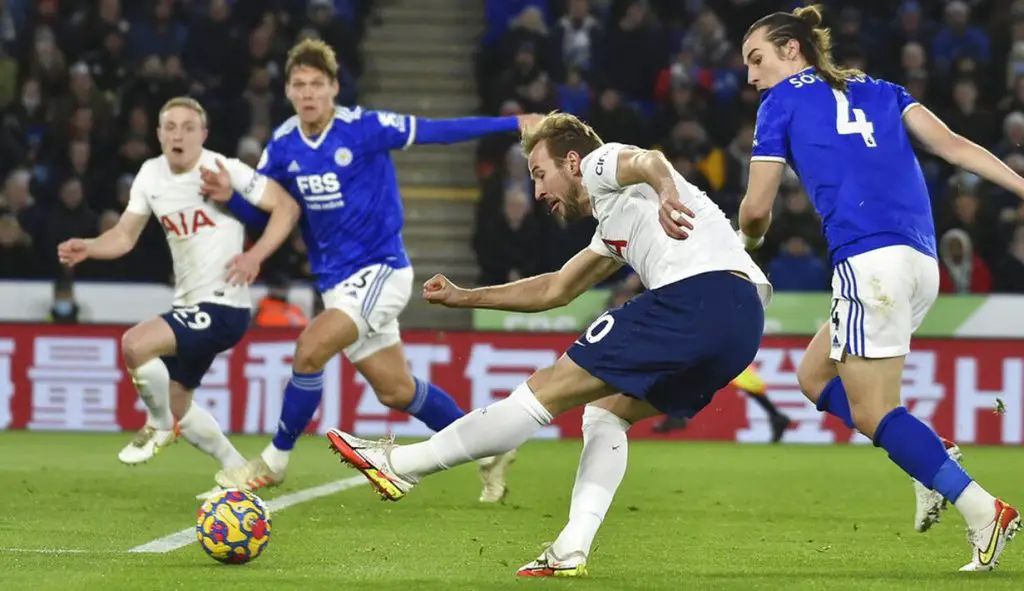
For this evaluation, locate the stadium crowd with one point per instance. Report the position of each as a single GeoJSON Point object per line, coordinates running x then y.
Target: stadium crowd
{"type": "Point", "coordinates": [669, 74]}
{"type": "Point", "coordinates": [81, 84]}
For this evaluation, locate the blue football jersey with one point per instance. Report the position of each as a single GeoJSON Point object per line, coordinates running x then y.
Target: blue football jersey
{"type": "Point", "coordinates": [345, 181]}
{"type": "Point", "coordinates": [854, 158]}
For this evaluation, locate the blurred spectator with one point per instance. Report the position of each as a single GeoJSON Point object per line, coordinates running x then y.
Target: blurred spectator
{"type": "Point", "coordinates": [612, 118]}
{"type": "Point", "coordinates": [509, 247]}
{"type": "Point", "coordinates": [797, 268]}
{"type": "Point", "coordinates": [158, 34]}
{"type": "Point", "coordinates": [633, 52]}
{"type": "Point", "coordinates": [1013, 134]}
{"type": "Point", "coordinates": [64, 309]}
{"type": "Point", "coordinates": [574, 94]}
{"type": "Point", "coordinates": [18, 200]}
{"type": "Point", "coordinates": [70, 217]}
{"type": "Point", "coordinates": [957, 38]}
{"type": "Point", "coordinates": [967, 117]}
{"type": "Point", "coordinates": [1009, 271]}
{"type": "Point", "coordinates": [575, 40]}
{"type": "Point", "coordinates": [17, 255]}
{"type": "Point", "coordinates": [962, 271]}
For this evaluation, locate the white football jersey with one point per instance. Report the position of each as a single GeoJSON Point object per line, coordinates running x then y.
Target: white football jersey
{"type": "Point", "coordinates": [628, 229]}
{"type": "Point", "coordinates": [202, 236]}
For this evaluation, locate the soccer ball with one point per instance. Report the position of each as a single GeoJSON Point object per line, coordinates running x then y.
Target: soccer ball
{"type": "Point", "coordinates": [233, 526]}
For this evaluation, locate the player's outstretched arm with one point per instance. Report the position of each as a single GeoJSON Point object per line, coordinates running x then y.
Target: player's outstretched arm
{"type": "Point", "coordinates": [958, 150]}
{"type": "Point", "coordinates": [114, 243]}
{"type": "Point", "coordinates": [756, 208]}
{"type": "Point", "coordinates": [533, 294]}
{"type": "Point", "coordinates": [462, 129]}
{"type": "Point", "coordinates": [247, 213]}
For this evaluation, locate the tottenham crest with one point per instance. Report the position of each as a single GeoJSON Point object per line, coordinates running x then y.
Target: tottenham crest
{"type": "Point", "coordinates": [343, 157]}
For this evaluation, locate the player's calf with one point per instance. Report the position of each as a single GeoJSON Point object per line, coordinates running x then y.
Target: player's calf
{"type": "Point", "coordinates": [326, 336]}
{"type": "Point", "coordinates": [141, 348]}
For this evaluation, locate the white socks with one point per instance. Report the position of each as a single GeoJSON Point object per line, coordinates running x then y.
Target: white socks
{"type": "Point", "coordinates": [276, 459]}
{"type": "Point", "coordinates": [154, 385]}
{"type": "Point", "coordinates": [202, 430]}
{"type": "Point", "coordinates": [485, 432]}
{"type": "Point", "coordinates": [977, 506]}
{"type": "Point", "coordinates": [602, 466]}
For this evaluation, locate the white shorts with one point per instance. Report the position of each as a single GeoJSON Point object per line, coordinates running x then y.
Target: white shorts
{"type": "Point", "coordinates": [372, 297]}
{"type": "Point", "coordinates": [879, 298]}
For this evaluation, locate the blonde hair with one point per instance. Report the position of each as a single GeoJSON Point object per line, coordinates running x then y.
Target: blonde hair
{"type": "Point", "coordinates": [312, 53]}
{"type": "Point", "coordinates": [563, 133]}
{"type": "Point", "coordinates": [187, 103]}
{"type": "Point", "coordinates": [804, 25]}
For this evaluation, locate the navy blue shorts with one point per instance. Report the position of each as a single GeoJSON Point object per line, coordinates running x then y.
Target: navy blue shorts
{"type": "Point", "coordinates": [202, 332]}
{"type": "Point", "coordinates": [677, 345]}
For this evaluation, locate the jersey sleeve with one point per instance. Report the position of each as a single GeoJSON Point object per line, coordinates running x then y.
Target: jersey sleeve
{"type": "Point", "coordinates": [270, 164]}
{"type": "Point", "coordinates": [137, 195]}
{"type": "Point", "coordinates": [383, 130]}
{"type": "Point", "coordinates": [770, 141]}
{"type": "Point", "coordinates": [597, 245]}
{"type": "Point", "coordinates": [249, 183]}
{"type": "Point", "coordinates": [600, 169]}
{"type": "Point", "coordinates": [904, 100]}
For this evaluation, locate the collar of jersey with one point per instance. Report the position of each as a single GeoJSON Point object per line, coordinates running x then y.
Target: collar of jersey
{"type": "Point", "coordinates": [315, 144]}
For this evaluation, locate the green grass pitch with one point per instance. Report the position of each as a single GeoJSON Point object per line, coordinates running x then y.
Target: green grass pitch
{"type": "Point", "coordinates": [688, 516]}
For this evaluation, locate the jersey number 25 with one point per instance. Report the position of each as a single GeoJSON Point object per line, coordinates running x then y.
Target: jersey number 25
{"type": "Point", "coordinates": [858, 124]}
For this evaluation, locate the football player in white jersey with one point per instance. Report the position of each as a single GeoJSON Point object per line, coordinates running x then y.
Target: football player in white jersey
{"type": "Point", "coordinates": [167, 356]}
{"type": "Point", "coordinates": [669, 350]}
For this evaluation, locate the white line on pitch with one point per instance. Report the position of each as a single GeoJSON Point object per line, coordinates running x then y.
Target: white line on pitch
{"type": "Point", "coordinates": [55, 551]}
{"type": "Point", "coordinates": [183, 538]}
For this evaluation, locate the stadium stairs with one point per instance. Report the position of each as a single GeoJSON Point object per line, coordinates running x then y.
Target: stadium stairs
{"type": "Point", "coordinates": [419, 60]}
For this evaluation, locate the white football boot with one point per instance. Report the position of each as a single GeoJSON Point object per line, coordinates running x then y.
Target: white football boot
{"type": "Point", "coordinates": [549, 565]}
{"type": "Point", "coordinates": [252, 475]}
{"type": "Point", "coordinates": [372, 458]}
{"type": "Point", "coordinates": [930, 503]}
{"type": "Point", "coordinates": [493, 471]}
{"type": "Point", "coordinates": [147, 442]}
{"type": "Point", "coordinates": [987, 544]}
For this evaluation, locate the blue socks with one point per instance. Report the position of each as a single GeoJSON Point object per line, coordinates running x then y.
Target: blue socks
{"type": "Point", "coordinates": [433, 406]}
{"type": "Point", "coordinates": [911, 444]}
{"type": "Point", "coordinates": [833, 401]}
{"type": "Point", "coordinates": [915, 448]}
{"type": "Point", "coordinates": [301, 399]}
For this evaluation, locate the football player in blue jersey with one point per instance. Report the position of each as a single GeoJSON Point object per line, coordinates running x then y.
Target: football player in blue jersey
{"type": "Point", "coordinates": [848, 137]}
{"type": "Point", "coordinates": [336, 163]}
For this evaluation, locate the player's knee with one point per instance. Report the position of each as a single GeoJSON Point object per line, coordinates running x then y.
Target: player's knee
{"type": "Point", "coordinates": [867, 415]}
{"type": "Point", "coordinates": [310, 355]}
{"type": "Point", "coordinates": [397, 392]}
{"type": "Point", "coordinates": [133, 351]}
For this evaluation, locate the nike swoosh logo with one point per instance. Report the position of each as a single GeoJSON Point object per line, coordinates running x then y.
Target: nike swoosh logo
{"type": "Point", "coordinates": [986, 556]}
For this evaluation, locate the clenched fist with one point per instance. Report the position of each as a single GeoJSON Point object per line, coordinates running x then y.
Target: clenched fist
{"type": "Point", "coordinates": [71, 252]}
{"type": "Point", "coordinates": [440, 290]}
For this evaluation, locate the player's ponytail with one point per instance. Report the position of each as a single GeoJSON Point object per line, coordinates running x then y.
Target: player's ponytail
{"type": "Point", "coordinates": [804, 25]}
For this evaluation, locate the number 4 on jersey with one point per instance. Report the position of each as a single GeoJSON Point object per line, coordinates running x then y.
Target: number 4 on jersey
{"type": "Point", "coordinates": [858, 125]}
